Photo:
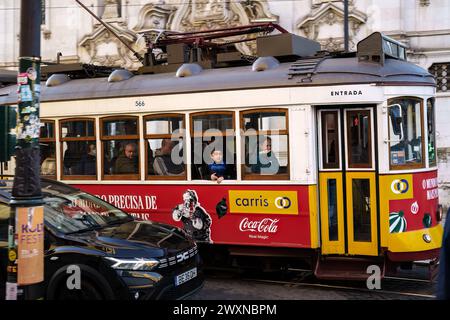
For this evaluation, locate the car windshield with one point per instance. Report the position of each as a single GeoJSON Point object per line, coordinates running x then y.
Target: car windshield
{"type": "Point", "coordinates": [79, 211]}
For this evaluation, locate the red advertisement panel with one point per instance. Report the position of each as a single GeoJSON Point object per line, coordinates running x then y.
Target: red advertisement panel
{"type": "Point", "coordinates": [248, 215]}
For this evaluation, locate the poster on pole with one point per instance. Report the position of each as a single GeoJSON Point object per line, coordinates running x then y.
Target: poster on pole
{"type": "Point", "coordinates": [30, 236]}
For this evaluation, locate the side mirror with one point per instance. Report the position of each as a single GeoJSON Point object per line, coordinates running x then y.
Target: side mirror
{"type": "Point", "coordinates": [395, 114]}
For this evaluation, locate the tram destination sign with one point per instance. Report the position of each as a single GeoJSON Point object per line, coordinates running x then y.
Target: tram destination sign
{"type": "Point", "coordinates": [340, 93]}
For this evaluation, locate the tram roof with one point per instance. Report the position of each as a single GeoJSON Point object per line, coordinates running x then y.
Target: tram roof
{"type": "Point", "coordinates": [326, 71]}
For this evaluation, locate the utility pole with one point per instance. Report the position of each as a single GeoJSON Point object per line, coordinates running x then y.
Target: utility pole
{"type": "Point", "coordinates": [25, 272]}
{"type": "Point", "coordinates": [346, 37]}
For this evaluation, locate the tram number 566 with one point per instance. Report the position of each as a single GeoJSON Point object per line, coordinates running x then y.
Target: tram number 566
{"type": "Point", "coordinates": [139, 103]}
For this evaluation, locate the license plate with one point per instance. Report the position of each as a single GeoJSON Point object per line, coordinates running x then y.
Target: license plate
{"type": "Point", "coordinates": [185, 276]}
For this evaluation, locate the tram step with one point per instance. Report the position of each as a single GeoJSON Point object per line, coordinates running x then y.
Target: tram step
{"type": "Point", "coordinates": [346, 268]}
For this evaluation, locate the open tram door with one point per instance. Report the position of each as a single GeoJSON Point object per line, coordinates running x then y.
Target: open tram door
{"type": "Point", "coordinates": [347, 180]}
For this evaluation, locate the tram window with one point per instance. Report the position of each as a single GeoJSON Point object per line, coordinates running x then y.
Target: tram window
{"type": "Point", "coordinates": [121, 157]}
{"type": "Point", "coordinates": [265, 144]}
{"type": "Point", "coordinates": [79, 156]}
{"type": "Point", "coordinates": [359, 139]}
{"type": "Point", "coordinates": [120, 127]}
{"type": "Point", "coordinates": [264, 120]}
{"type": "Point", "coordinates": [47, 147]}
{"type": "Point", "coordinates": [120, 148]}
{"type": "Point", "coordinates": [406, 144]}
{"type": "Point", "coordinates": [164, 135]}
{"type": "Point", "coordinates": [47, 129]}
{"type": "Point", "coordinates": [361, 210]}
{"type": "Point", "coordinates": [332, 210]}
{"type": "Point", "coordinates": [330, 139]}
{"type": "Point", "coordinates": [213, 146]}
{"type": "Point", "coordinates": [431, 130]}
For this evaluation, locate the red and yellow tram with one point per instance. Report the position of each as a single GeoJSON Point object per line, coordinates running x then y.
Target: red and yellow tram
{"type": "Point", "coordinates": [352, 137]}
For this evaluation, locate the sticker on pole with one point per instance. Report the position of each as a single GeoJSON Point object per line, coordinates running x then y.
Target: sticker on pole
{"type": "Point", "coordinates": [22, 78]}
{"type": "Point", "coordinates": [31, 73]}
{"type": "Point", "coordinates": [11, 291]}
{"type": "Point", "coordinates": [30, 232]}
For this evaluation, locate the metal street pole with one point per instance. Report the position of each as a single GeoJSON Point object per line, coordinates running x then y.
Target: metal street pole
{"type": "Point", "coordinates": [25, 272]}
{"type": "Point", "coordinates": [346, 37]}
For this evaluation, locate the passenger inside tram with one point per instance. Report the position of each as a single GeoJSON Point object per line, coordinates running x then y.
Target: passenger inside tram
{"type": "Point", "coordinates": [48, 160]}
{"type": "Point", "coordinates": [88, 161]}
{"type": "Point", "coordinates": [163, 163]}
{"type": "Point", "coordinates": [127, 161]}
{"type": "Point", "coordinates": [218, 170]}
{"type": "Point", "coordinates": [72, 158]}
{"type": "Point", "coordinates": [265, 161]}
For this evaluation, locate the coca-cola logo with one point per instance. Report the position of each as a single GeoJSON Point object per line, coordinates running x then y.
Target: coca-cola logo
{"type": "Point", "coordinates": [265, 225]}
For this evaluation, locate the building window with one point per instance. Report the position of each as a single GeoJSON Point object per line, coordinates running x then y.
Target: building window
{"type": "Point", "coordinates": [265, 144]}
{"type": "Point", "coordinates": [47, 144]}
{"type": "Point", "coordinates": [441, 71]}
{"type": "Point", "coordinates": [213, 146]}
{"type": "Point", "coordinates": [164, 135]}
{"type": "Point", "coordinates": [431, 131]}
{"type": "Point", "coordinates": [78, 149]}
{"type": "Point", "coordinates": [405, 133]}
{"type": "Point", "coordinates": [120, 147]}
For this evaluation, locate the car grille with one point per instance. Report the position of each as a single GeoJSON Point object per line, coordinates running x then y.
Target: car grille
{"type": "Point", "coordinates": [178, 258]}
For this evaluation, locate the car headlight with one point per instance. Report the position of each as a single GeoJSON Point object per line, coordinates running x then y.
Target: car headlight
{"type": "Point", "coordinates": [142, 264]}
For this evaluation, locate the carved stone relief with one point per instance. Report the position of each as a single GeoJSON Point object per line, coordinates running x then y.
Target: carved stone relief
{"type": "Point", "coordinates": [111, 9]}
{"type": "Point", "coordinates": [191, 15]}
{"type": "Point", "coordinates": [322, 22]}
{"type": "Point", "coordinates": [196, 15]}
{"type": "Point", "coordinates": [105, 49]}
{"type": "Point", "coordinates": [154, 17]}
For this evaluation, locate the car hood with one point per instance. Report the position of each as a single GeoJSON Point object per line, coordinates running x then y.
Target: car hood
{"type": "Point", "coordinates": [124, 240]}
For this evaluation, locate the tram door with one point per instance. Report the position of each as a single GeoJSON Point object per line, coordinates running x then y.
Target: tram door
{"type": "Point", "coordinates": [347, 181]}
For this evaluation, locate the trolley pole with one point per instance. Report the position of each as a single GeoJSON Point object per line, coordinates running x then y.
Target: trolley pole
{"type": "Point", "coordinates": [25, 272]}
{"type": "Point", "coordinates": [346, 37]}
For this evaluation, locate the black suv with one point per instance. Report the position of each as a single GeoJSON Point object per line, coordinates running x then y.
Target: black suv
{"type": "Point", "coordinates": [119, 257]}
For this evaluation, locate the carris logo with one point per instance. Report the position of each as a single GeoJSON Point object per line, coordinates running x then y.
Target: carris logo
{"type": "Point", "coordinates": [265, 225]}
{"type": "Point", "coordinates": [399, 186]}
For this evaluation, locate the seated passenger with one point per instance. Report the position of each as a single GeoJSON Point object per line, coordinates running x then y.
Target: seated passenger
{"type": "Point", "coordinates": [266, 161]}
{"type": "Point", "coordinates": [89, 161]}
{"type": "Point", "coordinates": [218, 170]}
{"type": "Point", "coordinates": [48, 166]}
{"type": "Point", "coordinates": [163, 164]}
{"type": "Point", "coordinates": [127, 161]}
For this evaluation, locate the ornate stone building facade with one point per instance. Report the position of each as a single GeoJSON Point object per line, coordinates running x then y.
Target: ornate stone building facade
{"type": "Point", "coordinates": [424, 26]}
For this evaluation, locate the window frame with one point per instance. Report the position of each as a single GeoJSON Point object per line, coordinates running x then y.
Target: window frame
{"type": "Point", "coordinates": [194, 134]}
{"type": "Point", "coordinates": [420, 165]}
{"type": "Point", "coordinates": [369, 165]}
{"type": "Point", "coordinates": [430, 164]}
{"type": "Point", "coordinates": [164, 136]}
{"type": "Point", "coordinates": [255, 176]}
{"type": "Point", "coordinates": [103, 138]}
{"type": "Point", "coordinates": [73, 139]}
{"type": "Point", "coordinates": [324, 148]}
{"type": "Point", "coordinates": [50, 140]}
